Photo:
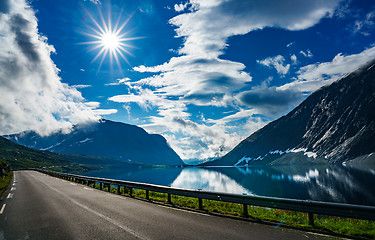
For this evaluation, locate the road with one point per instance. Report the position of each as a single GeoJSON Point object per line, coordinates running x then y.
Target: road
{"type": "Point", "coordinates": [43, 207]}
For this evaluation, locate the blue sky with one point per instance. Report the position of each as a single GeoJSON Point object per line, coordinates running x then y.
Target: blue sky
{"type": "Point", "coordinates": [205, 74]}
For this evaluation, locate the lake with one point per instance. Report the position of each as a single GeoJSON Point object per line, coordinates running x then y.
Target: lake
{"type": "Point", "coordinates": [321, 183]}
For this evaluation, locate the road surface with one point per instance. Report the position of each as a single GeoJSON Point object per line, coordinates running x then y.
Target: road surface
{"type": "Point", "coordinates": [39, 206]}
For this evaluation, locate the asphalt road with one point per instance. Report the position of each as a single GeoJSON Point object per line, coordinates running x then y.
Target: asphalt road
{"type": "Point", "coordinates": [42, 207]}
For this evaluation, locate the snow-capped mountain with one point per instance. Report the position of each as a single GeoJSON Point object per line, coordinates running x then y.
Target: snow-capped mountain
{"type": "Point", "coordinates": [334, 124]}
{"type": "Point", "coordinates": [107, 139]}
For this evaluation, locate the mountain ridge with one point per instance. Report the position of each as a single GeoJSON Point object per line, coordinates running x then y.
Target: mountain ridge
{"type": "Point", "coordinates": [21, 157]}
{"type": "Point", "coordinates": [107, 139]}
{"type": "Point", "coordinates": [335, 123]}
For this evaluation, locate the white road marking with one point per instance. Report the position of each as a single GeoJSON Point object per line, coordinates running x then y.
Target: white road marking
{"type": "Point", "coordinates": [10, 195]}
{"type": "Point", "coordinates": [2, 209]}
{"type": "Point", "coordinates": [114, 222]}
{"type": "Point", "coordinates": [109, 220]}
{"type": "Point", "coordinates": [13, 188]}
{"type": "Point", "coordinates": [88, 189]}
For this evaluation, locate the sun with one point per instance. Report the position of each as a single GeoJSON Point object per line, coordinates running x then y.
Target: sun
{"type": "Point", "coordinates": [109, 40]}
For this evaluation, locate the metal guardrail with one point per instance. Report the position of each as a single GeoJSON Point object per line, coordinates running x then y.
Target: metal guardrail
{"type": "Point", "coordinates": [310, 207]}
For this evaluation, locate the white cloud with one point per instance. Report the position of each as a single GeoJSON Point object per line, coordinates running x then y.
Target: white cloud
{"type": "Point", "coordinates": [207, 28]}
{"type": "Point", "coordinates": [119, 82]}
{"type": "Point", "coordinates": [277, 62]}
{"type": "Point", "coordinates": [200, 81]}
{"type": "Point", "coordinates": [31, 93]}
{"type": "Point", "coordinates": [102, 112]}
{"type": "Point", "coordinates": [290, 44]}
{"type": "Point", "coordinates": [198, 76]}
{"type": "Point", "coordinates": [365, 25]}
{"type": "Point", "coordinates": [92, 105]}
{"type": "Point", "coordinates": [314, 76]}
{"type": "Point", "coordinates": [294, 59]}
{"type": "Point", "coordinates": [307, 54]}
{"type": "Point", "coordinates": [94, 1]}
{"type": "Point", "coordinates": [81, 86]}
{"type": "Point", "coordinates": [180, 7]}
{"type": "Point", "coordinates": [99, 112]}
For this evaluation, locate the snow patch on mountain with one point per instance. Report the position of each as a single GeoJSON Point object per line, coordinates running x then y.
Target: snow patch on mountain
{"type": "Point", "coordinates": [309, 154]}
{"type": "Point", "coordinates": [245, 160]}
{"type": "Point", "coordinates": [52, 146]}
{"type": "Point", "coordinates": [86, 140]}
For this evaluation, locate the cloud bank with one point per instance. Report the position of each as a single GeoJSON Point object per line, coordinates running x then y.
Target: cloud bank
{"type": "Point", "coordinates": [314, 76]}
{"type": "Point", "coordinates": [199, 77]}
{"type": "Point", "coordinates": [32, 95]}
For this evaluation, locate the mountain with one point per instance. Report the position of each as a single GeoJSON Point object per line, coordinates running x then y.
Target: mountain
{"type": "Point", "coordinates": [334, 124]}
{"type": "Point", "coordinates": [106, 139]}
{"type": "Point", "coordinates": [20, 157]}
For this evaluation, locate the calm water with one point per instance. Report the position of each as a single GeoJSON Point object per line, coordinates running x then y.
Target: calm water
{"type": "Point", "coordinates": [322, 183]}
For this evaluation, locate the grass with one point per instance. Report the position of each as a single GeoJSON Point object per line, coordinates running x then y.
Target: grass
{"type": "Point", "coordinates": [5, 179]}
{"type": "Point", "coordinates": [20, 157]}
{"type": "Point", "coordinates": [345, 226]}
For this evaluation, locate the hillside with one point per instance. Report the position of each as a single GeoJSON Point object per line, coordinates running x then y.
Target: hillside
{"type": "Point", "coordinates": [106, 139]}
{"type": "Point", "coordinates": [334, 124]}
{"type": "Point", "coordinates": [20, 157]}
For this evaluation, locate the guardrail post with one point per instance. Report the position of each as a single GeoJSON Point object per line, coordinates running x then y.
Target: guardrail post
{"type": "Point", "coordinates": [311, 218]}
{"type": "Point", "coordinates": [169, 198]}
{"type": "Point", "coordinates": [245, 213]}
{"type": "Point", "coordinates": [118, 189]}
{"type": "Point", "coordinates": [109, 187]}
{"type": "Point", "coordinates": [131, 192]}
{"type": "Point", "coordinates": [200, 203]}
{"type": "Point", "coordinates": [101, 186]}
{"type": "Point", "coordinates": [147, 195]}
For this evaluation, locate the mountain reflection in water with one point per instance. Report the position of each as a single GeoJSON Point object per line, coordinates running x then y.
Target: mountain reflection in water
{"type": "Point", "coordinates": [209, 180]}
{"type": "Point", "coordinates": [321, 183]}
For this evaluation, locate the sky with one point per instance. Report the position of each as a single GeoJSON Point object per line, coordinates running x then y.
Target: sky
{"type": "Point", "coordinates": [204, 74]}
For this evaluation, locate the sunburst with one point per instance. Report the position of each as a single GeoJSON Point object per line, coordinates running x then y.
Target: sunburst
{"type": "Point", "coordinates": [109, 40]}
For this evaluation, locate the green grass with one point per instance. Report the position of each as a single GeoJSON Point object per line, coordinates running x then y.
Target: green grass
{"type": "Point", "coordinates": [20, 157]}
{"type": "Point", "coordinates": [4, 182]}
{"type": "Point", "coordinates": [345, 226]}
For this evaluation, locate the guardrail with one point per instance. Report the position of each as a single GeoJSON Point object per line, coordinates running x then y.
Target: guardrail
{"type": "Point", "coordinates": [310, 207]}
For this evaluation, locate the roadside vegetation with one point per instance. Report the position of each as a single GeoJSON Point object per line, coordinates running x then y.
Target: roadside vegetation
{"type": "Point", "coordinates": [20, 157]}
{"type": "Point", "coordinates": [5, 177]}
{"type": "Point", "coordinates": [356, 228]}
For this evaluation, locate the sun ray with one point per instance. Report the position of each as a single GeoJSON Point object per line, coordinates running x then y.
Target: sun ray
{"type": "Point", "coordinates": [102, 60]}
{"type": "Point", "coordinates": [98, 54]}
{"type": "Point", "coordinates": [110, 39]}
